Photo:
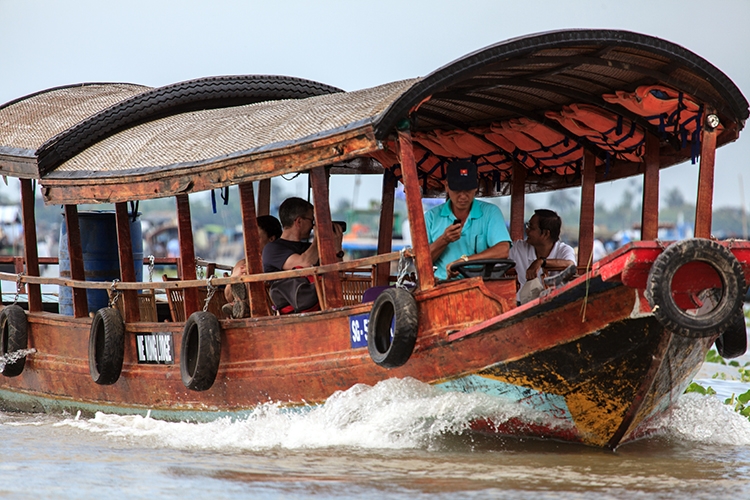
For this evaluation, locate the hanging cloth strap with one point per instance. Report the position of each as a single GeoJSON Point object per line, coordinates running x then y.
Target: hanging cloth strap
{"type": "Point", "coordinates": [134, 210]}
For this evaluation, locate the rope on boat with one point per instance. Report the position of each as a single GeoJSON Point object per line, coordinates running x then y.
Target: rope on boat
{"type": "Point", "coordinates": [253, 278]}
{"type": "Point", "coordinates": [586, 295]}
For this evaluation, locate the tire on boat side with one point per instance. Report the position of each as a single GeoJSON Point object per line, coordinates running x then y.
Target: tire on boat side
{"type": "Point", "coordinates": [386, 351]}
{"type": "Point", "coordinates": [201, 351]}
{"type": "Point", "coordinates": [106, 346]}
{"type": "Point", "coordinates": [659, 288]}
{"type": "Point", "coordinates": [733, 342]}
{"type": "Point", "coordinates": [13, 337]}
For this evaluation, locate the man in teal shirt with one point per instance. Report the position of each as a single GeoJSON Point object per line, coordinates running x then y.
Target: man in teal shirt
{"type": "Point", "coordinates": [464, 229]}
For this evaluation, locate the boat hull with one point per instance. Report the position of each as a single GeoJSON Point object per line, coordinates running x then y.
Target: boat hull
{"type": "Point", "coordinates": [587, 364]}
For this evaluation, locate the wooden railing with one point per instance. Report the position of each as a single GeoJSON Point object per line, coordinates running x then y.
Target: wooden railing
{"type": "Point", "coordinates": [161, 285]}
{"type": "Point", "coordinates": [351, 266]}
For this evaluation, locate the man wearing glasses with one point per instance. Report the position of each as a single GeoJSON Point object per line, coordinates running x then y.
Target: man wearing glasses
{"type": "Point", "coordinates": [463, 229]}
{"type": "Point", "coordinates": [542, 251]}
{"type": "Point", "coordinates": [293, 250]}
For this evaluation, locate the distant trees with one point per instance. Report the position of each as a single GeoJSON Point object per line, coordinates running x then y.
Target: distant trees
{"type": "Point", "coordinates": [674, 198]}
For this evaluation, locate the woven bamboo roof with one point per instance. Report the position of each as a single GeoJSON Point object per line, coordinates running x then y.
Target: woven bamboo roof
{"type": "Point", "coordinates": [29, 122]}
{"type": "Point", "coordinates": [201, 138]}
{"type": "Point", "coordinates": [540, 101]}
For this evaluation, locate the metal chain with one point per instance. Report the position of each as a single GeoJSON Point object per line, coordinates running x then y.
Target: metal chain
{"type": "Point", "coordinates": [404, 262]}
{"type": "Point", "coordinates": [199, 270]}
{"type": "Point", "coordinates": [19, 286]}
{"type": "Point", "coordinates": [151, 260]}
{"type": "Point", "coordinates": [211, 289]}
{"type": "Point", "coordinates": [114, 293]}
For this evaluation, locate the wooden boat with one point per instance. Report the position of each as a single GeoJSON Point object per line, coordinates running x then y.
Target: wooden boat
{"type": "Point", "coordinates": [595, 360]}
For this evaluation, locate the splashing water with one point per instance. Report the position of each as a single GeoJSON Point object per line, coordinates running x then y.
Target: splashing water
{"type": "Point", "coordinates": [393, 414]}
{"type": "Point", "coordinates": [14, 356]}
{"type": "Point", "coordinates": [705, 420]}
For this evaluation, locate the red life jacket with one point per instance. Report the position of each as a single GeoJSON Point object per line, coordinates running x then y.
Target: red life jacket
{"type": "Point", "coordinates": [608, 131]}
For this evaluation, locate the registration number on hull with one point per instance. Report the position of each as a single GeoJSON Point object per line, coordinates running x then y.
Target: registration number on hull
{"type": "Point", "coordinates": [155, 348]}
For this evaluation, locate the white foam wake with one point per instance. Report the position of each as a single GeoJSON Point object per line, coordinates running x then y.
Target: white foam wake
{"type": "Point", "coordinates": [14, 356]}
{"type": "Point", "coordinates": [393, 414]}
{"type": "Point", "coordinates": [707, 420]}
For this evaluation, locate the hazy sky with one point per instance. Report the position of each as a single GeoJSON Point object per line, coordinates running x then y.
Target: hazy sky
{"type": "Point", "coordinates": [350, 44]}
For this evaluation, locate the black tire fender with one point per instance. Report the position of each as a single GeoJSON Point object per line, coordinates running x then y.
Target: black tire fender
{"type": "Point", "coordinates": [733, 342]}
{"type": "Point", "coordinates": [106, 346]}
{"type": "Point", "coordinates": [201, 351]}
{"type": "Point", "coordinates": [13, 337]}
{"type": "Point", "coordinates": [386, 351]}
{"type": "Point", "coordinates": [728, 305]}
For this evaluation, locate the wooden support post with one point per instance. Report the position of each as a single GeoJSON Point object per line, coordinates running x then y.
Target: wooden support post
{"type": "Point", "coordinates": [187, 253]}
{"type": "Point", "coordinates": [31, 253]}
{"type": "Point", "coordinates": [324, 238]}
{"type": "Point", "coordinates": [75, 253]}
{"type": "Point", "coordinates": [264, 197]}
{"type": "Point", "coordinates": [127, 266]}
{"type": "Point", "coordinates": [650, 205]}
{"type": "Point", "coordinates": [253, 259]}
{"type": "Point", "coordinates": [586, 221]}
{"type": "Point", "coordinates": [385, 231]}
{"type": "Point", "coordinates": [517, 202]}
{"type": "Point", "coordinates": [705, 200]}
{"type": "Point", "coordinates": [419, 240]}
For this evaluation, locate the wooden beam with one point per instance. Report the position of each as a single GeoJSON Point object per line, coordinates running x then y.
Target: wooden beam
{"type": "Point", "coordinates": [324, 238]}
{"type": "Point", "coordinates": [187, 253]}
{"type": "Point", "coordinates": [650, 205]}
{"type": "Point", "coordinates": [419, 240]}
{"type": "Point", "coordinates": [31, 253]}
{"type": "Point", "coordinates": [75, 254]}
{"type": "Point", "coordinates": [586, 221]}
{"type": "Point", "coordinates": [385, 227]}
{"type": "Point", "coordinates": [517, 202]}
{"type": "Point", "coordinates": [20, 164]}
{"type": "Point", "coordinates": [253, 260]}
{"type": "Point", "coordinates": [264, 197]}
{"type": "Point", "coordinates": [705, 200]}
{"type": "Point", "coordinates": [127, 267]}
{"type": "Point", "coordinates": [113, 186]}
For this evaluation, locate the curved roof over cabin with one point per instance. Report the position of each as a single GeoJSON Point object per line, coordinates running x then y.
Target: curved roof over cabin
{"type": "Point", "coordinates": [540, 102]}
{"type": "Point", "coordinates": [28, 122]}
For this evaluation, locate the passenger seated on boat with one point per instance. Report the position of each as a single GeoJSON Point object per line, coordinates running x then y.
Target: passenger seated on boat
{"type": "Point", "coordinates": [540, 253]}
{"type": "Point", "coordinates": [292, 250]}
{"type": "Point", "coordinates": [462, 228]}
{"type": "Point", "coordinates": [269, 229]}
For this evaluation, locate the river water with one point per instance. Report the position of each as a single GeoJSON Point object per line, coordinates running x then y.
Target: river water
{"type": "Point", "coordinates": [398, 439]}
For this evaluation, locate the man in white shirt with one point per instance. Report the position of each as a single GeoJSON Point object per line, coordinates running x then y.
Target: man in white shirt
{"type": "Point", "coordinates": [541, 251]}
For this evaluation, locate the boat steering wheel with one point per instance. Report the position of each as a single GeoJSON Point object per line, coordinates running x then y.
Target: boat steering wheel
{"type": "Point", "coordinates": [486, 268]}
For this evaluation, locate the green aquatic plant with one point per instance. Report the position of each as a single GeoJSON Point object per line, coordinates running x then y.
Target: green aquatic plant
{"type": "Point", "coordinates": [696, 387]}
{"type": "Point", "coordinates": [712, 356]}
{"type": "Point", "coordinates": [740, 404]}
{"type": "Point", "coordinates": [744, 371]}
